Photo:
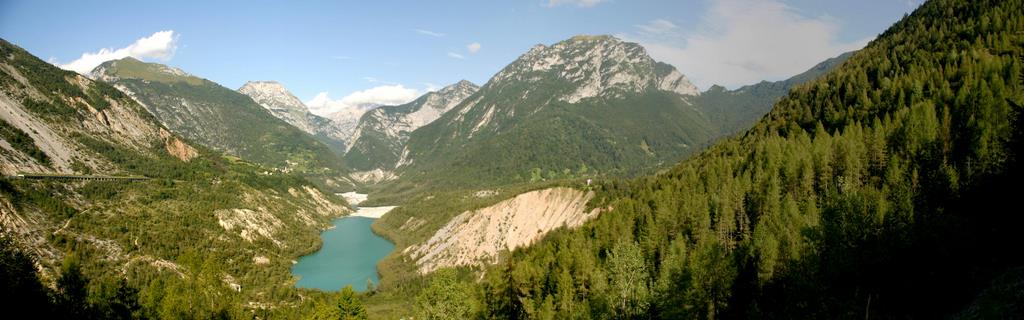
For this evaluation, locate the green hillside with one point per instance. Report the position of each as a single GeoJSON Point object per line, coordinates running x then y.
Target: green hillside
{"type": "Point", "coordinates": [374, 149]}
{"type": "Point", "coordinates": [218, 117]}
{"type": "Point", "coordinates": [881, 190]}
{"type": "Point", "coordinates": [616, 137]}
{"type": "Point", "coordinates": [184, 244]}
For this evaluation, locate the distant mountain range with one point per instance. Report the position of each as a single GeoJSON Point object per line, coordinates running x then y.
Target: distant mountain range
{"type": "Point", "coordinates": [285, 106]}
{"type": "Point", "coordinates": [873, 184]}
{"type": "Point", "coordinates": [218, 117]}
{"type": "Point", "coordinates": [383, 132]}
{"type": "Point", "coordinates": [137, 234]}
{"type": "Point", "coordinates": [586, 106]}
{"type": "Point", "coordinates": [590, 105]}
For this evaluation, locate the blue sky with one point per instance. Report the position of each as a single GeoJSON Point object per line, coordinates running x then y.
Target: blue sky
{"type": "Point", "coordinates": [393, 50]}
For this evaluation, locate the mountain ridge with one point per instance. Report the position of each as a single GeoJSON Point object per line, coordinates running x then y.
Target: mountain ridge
{"type": "Point", "coordinates": [382, 132]}
{"type": "Point", "coordinates": [536, 119]}
{"type": "Point", "coordinates": [276, 98]}
{"type": "Point", "coordinates": [62, 126]}
{"type": "Point", "coordinates": [177, 244]}
{"type": "Point", "coordinates": [218, 117]}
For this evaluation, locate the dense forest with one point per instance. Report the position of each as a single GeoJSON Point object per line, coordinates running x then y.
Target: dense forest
{"type": "Point", "coordinates": [882, 189]}
{"type": "Point", "coordinates": [22, 290]}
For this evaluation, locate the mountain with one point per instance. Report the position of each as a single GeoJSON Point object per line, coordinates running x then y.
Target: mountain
{"type": "Point", "coordinates": [736, 110]}
{"type": "Point", "coordinates": [586, 106]}
{"type": "Point", "coordinates": [882, 189]}
{"type": "Point", "coordinates": [586, 67]}
{"type": "Point", "coordinates": [345, 119]}
{"type": "Point", "coordinates": [382, 132]}
{"type": "Point", "coordinates": [61, 122]}
{"type": "Point", "coordinates": [180, 243]}
{"type": "Point", "coordinates": [429, 211]}
{"type": "Point", "coordinates": [218, 117]}
{"type": "Point", "coordinates": [285, 106]}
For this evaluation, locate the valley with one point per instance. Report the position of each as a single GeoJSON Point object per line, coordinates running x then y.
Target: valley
{"type": "Point", "coordinates": [587, 177]}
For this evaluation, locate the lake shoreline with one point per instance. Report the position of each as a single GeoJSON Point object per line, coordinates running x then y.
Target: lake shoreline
{"type": "Point", "coordinates": [372, 212]}
{"type": "Point", "coordinates": [349, 252]}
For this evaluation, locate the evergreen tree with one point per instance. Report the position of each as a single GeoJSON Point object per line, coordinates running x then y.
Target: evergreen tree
{"type": "Point", "coordinates": [629, 279]}
{"type": "Point", "coordinates": [349, 305]}
{"type": "Point", "coordinates": [21, 292]}
{"type": "Point", "coordinates": [72, 288]}
{"type": "Point", "coordinates": [885, 180]}
{"type": "Point", "coordinates": [444, 298]}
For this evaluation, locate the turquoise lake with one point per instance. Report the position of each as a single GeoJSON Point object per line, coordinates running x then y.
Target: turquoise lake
{"type": "Point", "coordinates": [349, 256]}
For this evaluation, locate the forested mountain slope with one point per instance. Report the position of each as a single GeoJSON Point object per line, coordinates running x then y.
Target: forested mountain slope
{"type": "Point", "coordinates": [206, 236]}
{"type": "Point", "coordinates": [882, 190]}
{"type": "Point", "coordinates": [734, 111]}
{"type": "Point", "coordinates": [218, 117]}
{"type": "Point", "coordinates": [590, 103]}
{"type": "Point", "coordinates": [589, 106]}
{"type": "Point", "coordinates": [430, 207]}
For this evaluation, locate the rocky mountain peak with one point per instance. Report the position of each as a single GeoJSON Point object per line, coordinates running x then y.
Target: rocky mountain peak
{"type": "Point", "coordinates": [281, 103]}
{"type": "Point", "coordinates": [272, 95]}
{"type": "Point", "coordinates": [459, 90]}
{"type": "Point", "coordinates": [449, 96]}
{"type": "Point", "coordinates": [383, 132]}
{"type": "Point", "coordinates": [595, 66]}
{"type": "Point", "coordinates": [461, 84]}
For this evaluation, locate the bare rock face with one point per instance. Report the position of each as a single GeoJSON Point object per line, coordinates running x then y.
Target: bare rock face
{"type": "Point", "coordinates": [383, 132]}
{"type": "Point", "coordinates": [595, 66]}
{"type": "Point", "coordinates": [476, 237]}
{"type": "Point", "coordinates": [281, 103]}
{"type": "Point", "coordinates": [98, 112]}
{"type": "Point", "coordinates": [177, 148]}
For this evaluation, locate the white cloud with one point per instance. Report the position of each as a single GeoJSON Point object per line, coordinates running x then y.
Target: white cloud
{"type": "Point", "coordinates": [161, 45]}
{"type": "Point", "coordinates": [578, 3]}
{"type": "Point", "coordinates": [430, 86]}
{"type": "Point", "coordinates": [745, 41]}
{"type": "Point", "coordinates": [358, 102]}
{"type": "Point", "coordinates": [428, 33]}
{"type": "Point", "coordinates": [473, 47]}
{"type": "Point", "coordinates": [658, 27]}
{"type": "Point", "coordinates": [456, 55]}
{"type": "Point", "coordinates": [319, 101]}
